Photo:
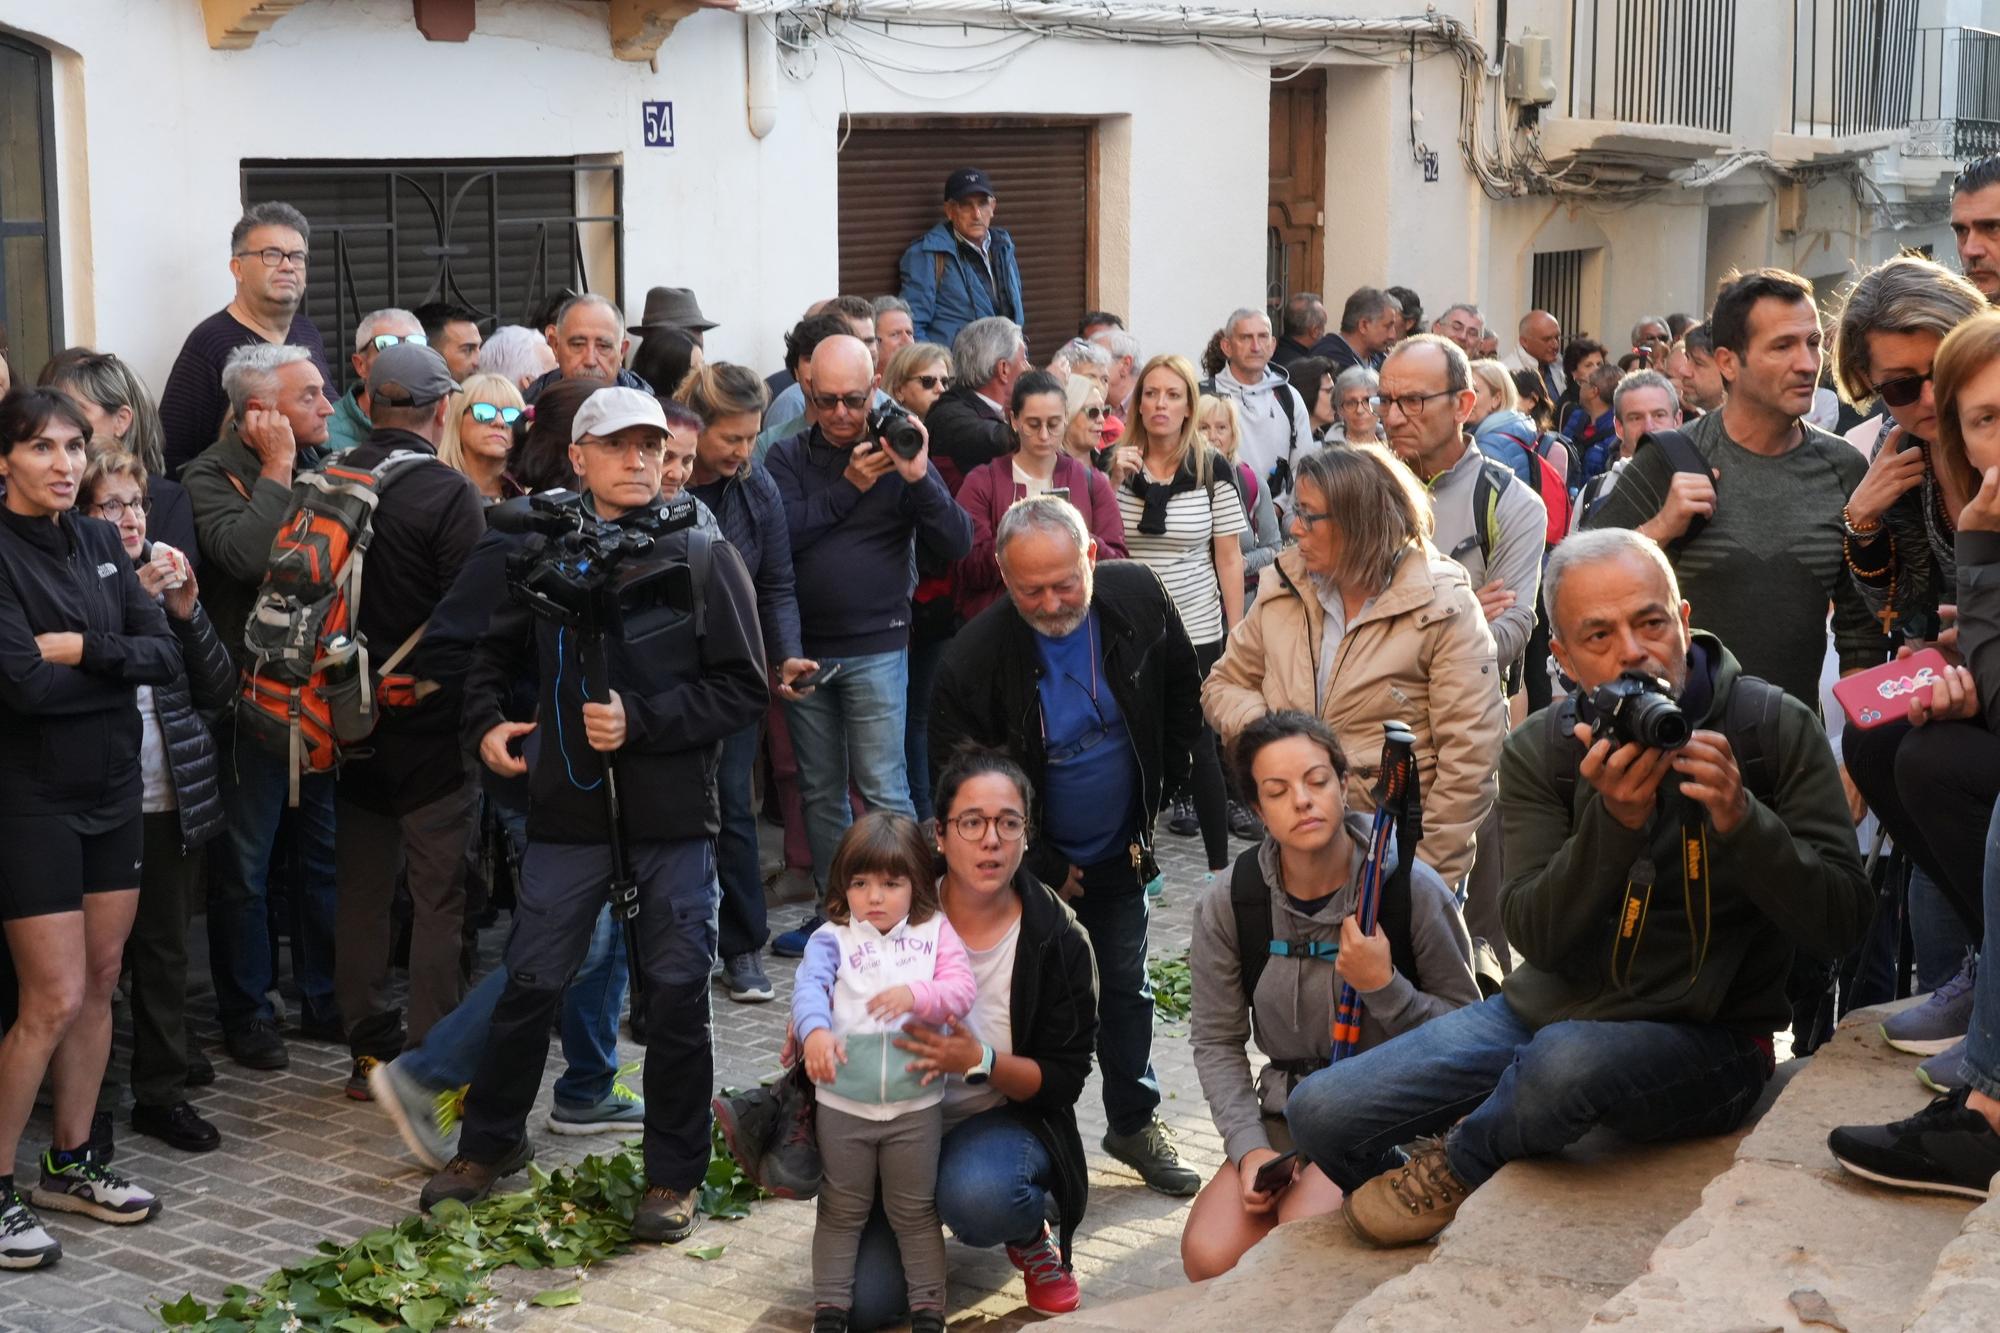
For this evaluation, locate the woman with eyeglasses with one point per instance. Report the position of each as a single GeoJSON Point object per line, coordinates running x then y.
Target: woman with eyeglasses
{"type": "Point", "coordinates": [1363, 622]}
{"type": "Point", "coordinates": [1183, 517]}
{"type": "Point", "coordinates": [480, 434]}
{"type": "Point", "coordinates": [180, 807]}
{"type": "Point", "coordinates": [917, 376]}
{"type": "Point", "coordinates": [1014, 1067]}
{"type": "Point", "coordinates": [1039, 465]}
{"type": "Point", "coordinates": [1354, 391]}
{"type": "Point", "coordinates": [123, 418]}
{"type": "Point", "coordinates": [1085, 438]}
{"type": "Point", "coordinates": [74, 647]}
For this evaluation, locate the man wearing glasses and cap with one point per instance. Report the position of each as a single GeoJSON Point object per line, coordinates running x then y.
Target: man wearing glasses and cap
{"type": "Point", "coordinates": [963, 268]}
{"type": "Point", "coordinates": [378, 331]}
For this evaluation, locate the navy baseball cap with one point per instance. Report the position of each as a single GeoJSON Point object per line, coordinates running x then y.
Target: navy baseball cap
{"type": "Point", "coordinates": [966, 182]}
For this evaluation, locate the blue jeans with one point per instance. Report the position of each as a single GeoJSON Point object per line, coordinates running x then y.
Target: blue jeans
{"type": "Point", "coordinates": [1114, 910]}
{"type": "Point", "coordinates": [1982, 1041]}
{"type": "Point", "coordinates": [449, 1055]}
{"type": "Point", "coordinates": [993, 1184]}
{"type": "Point", "coordinates": [1523, 1092]}
{"type": "Point", "coordinates": [254, 788]}
{"type": "Point", "coordinates": [925, 654]}
{"type": "Point", "coordinates": [744, 926]}
{"type": "Point", "coordinates": [852, 726]}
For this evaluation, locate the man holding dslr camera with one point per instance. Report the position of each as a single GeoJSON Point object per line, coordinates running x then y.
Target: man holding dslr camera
{"type": "Point", "coordinates": [679, 669]}
{"type": "Point", "coordinates": [1665, 856]}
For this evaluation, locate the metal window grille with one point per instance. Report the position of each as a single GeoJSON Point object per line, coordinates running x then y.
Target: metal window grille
{"type": "Point", "coordinates": [1654, 62]}
{"type": "Point", "coordinates": [1853, 65]}
{"type": "Point", "coordinates": [1558, 287]}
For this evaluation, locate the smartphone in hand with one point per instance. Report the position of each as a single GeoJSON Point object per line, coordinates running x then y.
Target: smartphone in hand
{"type": "Point", "coordinates": [1276, 1174]}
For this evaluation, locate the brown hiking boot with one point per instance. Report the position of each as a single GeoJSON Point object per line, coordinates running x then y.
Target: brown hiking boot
{"type": "Point", "coordinates": [1410, 1204]}
{"type": "Point", "coordinates": [665, 1215]}
{"type": "Point", "coordinates": [468, 1181]}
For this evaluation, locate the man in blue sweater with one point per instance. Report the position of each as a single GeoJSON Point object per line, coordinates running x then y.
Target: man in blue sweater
{"type": "Point", "coordinates": [855, 511]}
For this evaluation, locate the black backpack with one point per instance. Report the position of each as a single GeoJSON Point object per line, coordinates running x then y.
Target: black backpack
{"type": "Point", "coordinates": [1250, 902]}
{"type": "Point", "coordinates": [1685, 456]}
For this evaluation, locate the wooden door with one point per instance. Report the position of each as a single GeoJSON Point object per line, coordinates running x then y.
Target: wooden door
{"type": "Point", "coordinates": [1296, 255]}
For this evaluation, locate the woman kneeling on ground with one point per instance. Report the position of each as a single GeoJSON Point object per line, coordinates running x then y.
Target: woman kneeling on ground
{"type": "Point", "coordinates": [1307, 876]}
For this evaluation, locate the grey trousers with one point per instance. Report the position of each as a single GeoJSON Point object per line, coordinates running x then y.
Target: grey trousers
{"type": "Point", "coordinates": [904, 1153]}
{"type": "Point", "coordinates": [370, 851]}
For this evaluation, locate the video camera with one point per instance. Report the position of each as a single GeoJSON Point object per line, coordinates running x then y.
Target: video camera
{"type": "Point", "coordinates": [587, 573]}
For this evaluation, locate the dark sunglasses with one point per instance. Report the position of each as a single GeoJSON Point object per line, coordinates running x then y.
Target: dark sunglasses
{"type": "Point", "coordinates": [827, 402]}
{"type": "Point", "coordinates": [1903, 391]}
{"type": "Point", "coordinates": [933, 381]}
{"type": "Point", "coordinates": [486, 412]}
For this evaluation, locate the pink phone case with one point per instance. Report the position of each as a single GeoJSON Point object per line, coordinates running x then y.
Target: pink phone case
{"type": "Point", "coordinates": [1882, 694]}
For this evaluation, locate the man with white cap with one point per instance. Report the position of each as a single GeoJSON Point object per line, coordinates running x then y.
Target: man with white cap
{"type": "Point", "coordinates": [680, 674]}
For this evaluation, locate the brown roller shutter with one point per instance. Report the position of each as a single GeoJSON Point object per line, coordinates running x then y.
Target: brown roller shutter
{"type": "Point", "coordinates": [892, 174]}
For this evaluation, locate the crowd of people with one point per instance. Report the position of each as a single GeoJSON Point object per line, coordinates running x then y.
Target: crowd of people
{"type": "Point", "coordinates": [980, 632]}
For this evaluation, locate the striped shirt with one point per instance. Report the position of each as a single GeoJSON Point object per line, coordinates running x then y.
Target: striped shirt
{"type": "Point", "coordinates": [1184, 555]}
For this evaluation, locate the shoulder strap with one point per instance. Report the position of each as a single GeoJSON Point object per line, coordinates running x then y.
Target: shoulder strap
{"type": "Point", "coordinates": [1494, 477]}
{"type": "Point", "coordinates": [1250, 903]}
{"type": "Point", "coordinates": [1751, 724]}
{"type": "Point", "coordinates": [1685, 456]}
{"type": "Point", "coordinates": [701, 556]}
{"type": "Point", "coordinates": [1564, 750]}
{"type": "Point", "coordinates": [1284, 395]}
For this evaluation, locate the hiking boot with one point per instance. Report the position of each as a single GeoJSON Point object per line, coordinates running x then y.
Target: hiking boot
{"type": "Point", "coordinates": [357, 1081]}
{"type": "Point", "coordinates": [743, 975]}
{"type": "Point", "coordinates": [257, 1045]}
{"type": "Point", "coordinates": [1945, 1071]}
{"type": "Point", "coordinates": [1051, 1287]}
{"type": "Point", "coordinates": [24, 1241]}
{"type": "Point", "coordinates": [468, 1181]}
{"type": "Point", "coordinates": [829, 1319]}
{"type": "Point", "coordinates": [1946, 1148]}
{"type": "Point", "coordinates": [178, 1125]}
{"type": "Point", "coordinates": [748, 1120]}
{"type": "Point", "coordinates": [792, 944]}
{"type": "Point", "coordinates": [665, 1215]}
{"type": "Point", "coordinates": [1939, 1022]}
{"type": "Point", "coordinates": [1244, 824]}
{"type": "Point", "coordinates": [1183, 822]}
{"type": "Point", "coordinates": [1410, 1204]}
{"type": "Point", "coordinates": [618, 1111]}
{"type": "Point", "coordinates": [791, 1168]}
{"type": "Point", "coordinates": [83, 1184]}
{"type": "Point", "coordinates": [413, 1109]}
{"type": "Point", "coordinates": [1150, 1152]}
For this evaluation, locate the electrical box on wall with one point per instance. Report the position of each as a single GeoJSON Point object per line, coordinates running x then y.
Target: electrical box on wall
{"type": "Point", "coordinates": [1529, 74]}
{"type": "Point", "coordinates": [1791, 219]}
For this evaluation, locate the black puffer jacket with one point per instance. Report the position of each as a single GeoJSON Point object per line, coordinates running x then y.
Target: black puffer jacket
{"type": "Point", "coordinates": [205, 687]}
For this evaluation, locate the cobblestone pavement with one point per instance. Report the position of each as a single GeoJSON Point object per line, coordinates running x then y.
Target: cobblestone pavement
{"type": "Point", "coordinates": [300, 1163]}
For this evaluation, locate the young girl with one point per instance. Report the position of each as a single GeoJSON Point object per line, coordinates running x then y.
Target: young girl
{"type": "Point", "coordinates": [1221, 426]}
{"type": "Point", "coordinates": [885, 954]}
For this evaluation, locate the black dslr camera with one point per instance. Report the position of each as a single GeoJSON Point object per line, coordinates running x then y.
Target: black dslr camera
{"type": "Point", "coordinates": [896, 429]}
{"type": "Point", "coordinates": [1635, 709]}
{"type": "Point", "coordinates": [583, 572]}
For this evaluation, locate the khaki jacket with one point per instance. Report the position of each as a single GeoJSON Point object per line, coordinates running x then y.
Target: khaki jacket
{"type": "Point", "coordinates": [1421, 654]}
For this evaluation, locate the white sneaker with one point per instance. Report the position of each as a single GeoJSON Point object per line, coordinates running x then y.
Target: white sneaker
{"type": "Point", "coordinates": [24, 1242]}
{"type": "Point", "coordinates": [87, 1186]}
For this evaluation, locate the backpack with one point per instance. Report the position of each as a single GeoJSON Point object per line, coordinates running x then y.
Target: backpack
{"type": "Point", "coordinates": [1540, 475]}
{"type": "Point", "coordinates": [311, 692]}
{"type": "Point", "coordinates": [1685, 456]}
{"type": "Point", "coordinates": [1494, 478]}
{"type": "Point", "coordinates": [1749, 722]}
{"type": "Point", "coordinates": [1256, 941]}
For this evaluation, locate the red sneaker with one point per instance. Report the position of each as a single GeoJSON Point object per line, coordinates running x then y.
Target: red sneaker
{"type": "Point", "coordinates": [1052, 1288]}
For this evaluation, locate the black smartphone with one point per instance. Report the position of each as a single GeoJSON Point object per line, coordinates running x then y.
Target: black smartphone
{"type": "Point", "coordinates": [816, 678]}
{"type": "Point", "coordinates": [1060, 492]}
{"type": "Point", "coordinates": [1275, 1174]}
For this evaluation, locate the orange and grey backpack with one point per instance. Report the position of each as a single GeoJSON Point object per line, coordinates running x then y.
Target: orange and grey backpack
{"type": "Point", "coordinates": [310, 694]}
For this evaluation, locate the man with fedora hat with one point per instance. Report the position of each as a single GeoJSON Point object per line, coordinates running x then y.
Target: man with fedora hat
{"type": "Point", "coordinates": [673, 308]}
{"type": "Point", "coordinates": [963, 268]}
{"type": "Point", "coordinates": [409, 804]}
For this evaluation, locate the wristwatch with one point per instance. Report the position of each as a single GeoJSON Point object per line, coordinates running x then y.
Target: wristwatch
{"type": "Point", "coordinates": [979, 1073]}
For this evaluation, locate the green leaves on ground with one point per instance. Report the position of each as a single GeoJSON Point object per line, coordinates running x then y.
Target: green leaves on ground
{"type": "Point", "coordinates": [427, 1273]}
{"type": "Point", "coordinates": [1173, 986]}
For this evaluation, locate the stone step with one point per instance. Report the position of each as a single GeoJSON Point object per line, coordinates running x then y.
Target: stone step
{"type": "Point", "coordinates": [1784, 1239]}
{"type": "Point", "coordinates": [1964, 1291]}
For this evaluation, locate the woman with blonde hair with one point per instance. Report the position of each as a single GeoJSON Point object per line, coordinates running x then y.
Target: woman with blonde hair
{"type": "Point", "coordinates": [1221, 424]}
{"type": "Point", "coordinates": [480, 432]}
{"type": "Point", "coordinates": [1084, 437]}
{"type": "Point", "coordinates": [917, 376]}
{"type": "Point", "coordinates": [1178, 498]}
{"type": "Point", "coordinates": [1363, 622]}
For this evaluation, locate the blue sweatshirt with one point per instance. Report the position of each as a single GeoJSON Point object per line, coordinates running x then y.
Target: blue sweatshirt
{"type": "Point", "coordinates": [854, 553]}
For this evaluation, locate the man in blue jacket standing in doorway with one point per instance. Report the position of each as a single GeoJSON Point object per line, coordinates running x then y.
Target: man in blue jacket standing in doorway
{"type": "Point", "coordinates": [963, 268]}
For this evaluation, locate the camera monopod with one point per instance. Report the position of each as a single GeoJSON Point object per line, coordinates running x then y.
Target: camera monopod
{"type": "Point", "coordinates": [624, 887]}
{"type": "Point", "coordinates": [1398, 817]}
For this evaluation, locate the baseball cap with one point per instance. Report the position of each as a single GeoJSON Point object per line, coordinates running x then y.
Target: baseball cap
{"type": "Point", "coordinates": [966, 182]}
{"type": "Point", "coordinates": [612, 409]}
{"type": "Point", "coordinates": [409, 375]}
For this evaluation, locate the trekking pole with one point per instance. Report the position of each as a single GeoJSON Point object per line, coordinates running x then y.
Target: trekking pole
{"type": "Point", "coordinates": [1398, 769]}
{"type": "Point", "coordinates": [624, 886]}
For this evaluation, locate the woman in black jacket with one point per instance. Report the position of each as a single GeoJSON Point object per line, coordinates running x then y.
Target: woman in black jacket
{"type": "Point", "coordinates": [77, 635]}
{"type": "Point", "coordinates": [1015, 1066]}
{"type": "Point", "coordinates": [180, 803]}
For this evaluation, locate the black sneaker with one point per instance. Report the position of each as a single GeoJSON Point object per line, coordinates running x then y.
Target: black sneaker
{"type": "Point", "coordinates": [1150, 1152]}
{"type": "Point", "coordinates": [829, 1319]}
{"type": "Point", "coordinates": [1244, 824]}
{"type": "Point", "coordinates": [257, 1045]}
{"type": "Point", "coordinates": [927, 1320]}
{"type": "Point", "coordinates": [748, 1121]}
{"type": "Point", "coordinates": [179, 1126]}
{"type": "Point", "coordinates": [1946, 1148]}
{"type": "Point", "coordinates": [201, 1070]}
{"type": "Point", "coordinates": [1183, 822]}
{"type": "Point", "coordinates": [791, 1168]}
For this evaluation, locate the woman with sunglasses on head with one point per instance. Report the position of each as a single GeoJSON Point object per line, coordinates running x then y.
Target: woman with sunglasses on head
{"type": "Point", "coordinates": [74, 647]}
{"type": "Point", "coordinates": [122, 417]}
{"type": "Point", "coordinates": [1038, 465]}
{"type": "Point", "coordinates": [480, 434]}
{"type": "Point", "coordinates": [917, 376]}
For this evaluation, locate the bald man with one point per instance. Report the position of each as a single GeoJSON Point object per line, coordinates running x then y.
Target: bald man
{"type": "Point", "coordinates": [1540, 350]}
{"type": "Point", "coordinates": [854, 509]}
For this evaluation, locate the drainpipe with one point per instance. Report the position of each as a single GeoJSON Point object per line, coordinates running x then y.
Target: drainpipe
{"type": "Point", "coordinates": [760, 78]}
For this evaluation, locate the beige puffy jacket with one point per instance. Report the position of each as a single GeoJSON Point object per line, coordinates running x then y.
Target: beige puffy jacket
{"type": "Point", "coordinates": [1421, 654]}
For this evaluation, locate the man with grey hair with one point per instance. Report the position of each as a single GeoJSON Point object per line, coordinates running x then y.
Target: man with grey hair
{"type": "Point", "coordinates": [1101, 760]}
{"type": "Point", "coordinates": [519, 353]}
{"type": "Point", "coordinates": [1370, 324]}
{"type": "Point", "coordinates": [267, 258]}
{"type": "Point", "coordinates": [1644, 401]}
{"type": "Point", "coordinates": [590, 343]}
{"type": "Point", "coordinates": [895, 328]}
{"type": "Point", "coordinates": [1303, 325]}
{"type": "Point", "coordinates": [969, 423]}
{"type": "Point", "coordinates": [240, 489]}
{"type": "Point", "coordinates": [1463, 324]}
{"type": "Point", "coordinates": [1602, 1024]}
{"type": "Point", "coordinates": [1124, 348]}
{"type": "Point", "coordinates": [1276, 425]}
{"type": "Point", "coordinates": [1650, 335]}
{"type": "Point", "coordinates": [1080, 356]}
{"type": "Point", "coordinates": [377, 331]}
{"type": "Point", "coordinates": [1540, 350]}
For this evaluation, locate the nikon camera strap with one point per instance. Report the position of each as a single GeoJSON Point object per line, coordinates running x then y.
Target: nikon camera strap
{"type": "Point", "coordinates": [1696, 901]}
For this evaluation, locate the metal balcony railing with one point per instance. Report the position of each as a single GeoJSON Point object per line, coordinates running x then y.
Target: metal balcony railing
{"type": "Point", "coordinates": [1957, 97]}
{"type": "Point", "coordinates": [1853, 66]}
{"type": "Point", "coordinates": [1653, 62]}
